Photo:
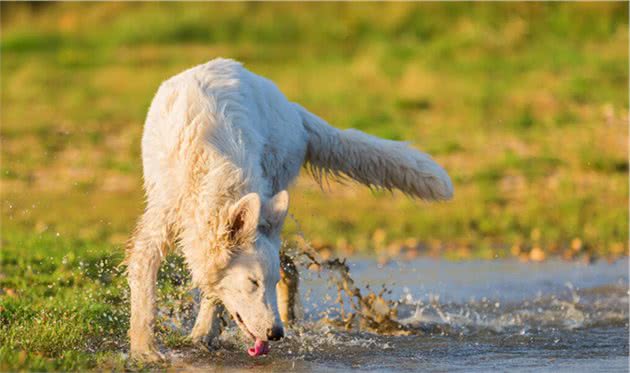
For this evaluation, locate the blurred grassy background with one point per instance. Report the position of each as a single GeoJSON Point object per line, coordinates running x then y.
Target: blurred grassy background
{"type": "Point", "coordinates": [525, 104]}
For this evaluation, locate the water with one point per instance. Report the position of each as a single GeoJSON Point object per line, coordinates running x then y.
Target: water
{"type": "Point", "coordinates": [457, 316]}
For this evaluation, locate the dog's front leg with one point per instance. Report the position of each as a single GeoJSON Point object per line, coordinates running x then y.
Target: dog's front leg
{"type": "Point", "coordinates": [143, 259]}
{"type": "Point", "coordinates": [208, 323]}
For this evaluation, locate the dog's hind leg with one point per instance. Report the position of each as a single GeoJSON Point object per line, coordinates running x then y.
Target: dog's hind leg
{"type": "Point", "coordinates": [208, 322]}
{"type": "Point", "coordinates": [145, 251]}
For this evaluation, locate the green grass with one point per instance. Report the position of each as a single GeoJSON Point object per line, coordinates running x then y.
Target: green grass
{"type": "Point", "coordinates": [525, 105]}
{"type": "Point", "coordinates": [61, 307]}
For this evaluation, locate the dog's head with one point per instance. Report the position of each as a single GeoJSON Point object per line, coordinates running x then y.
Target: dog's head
{"type": "Point", "coordinates": [251, 266]}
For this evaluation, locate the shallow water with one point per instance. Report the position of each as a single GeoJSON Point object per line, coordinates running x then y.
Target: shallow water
{"type": "Point", "coordinates": [462, 316]}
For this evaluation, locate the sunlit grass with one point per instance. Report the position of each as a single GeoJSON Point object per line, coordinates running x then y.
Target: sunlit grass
{"type": "Point", "coordinates": [525, 105]}
{"type": "Point", "coordinates": [521, 103]}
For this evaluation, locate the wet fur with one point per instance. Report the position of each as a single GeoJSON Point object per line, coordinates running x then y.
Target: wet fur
{"type": "Point", "coordinates": [220, 147]}
{"type": "Point", "coordinates": [289, 304]}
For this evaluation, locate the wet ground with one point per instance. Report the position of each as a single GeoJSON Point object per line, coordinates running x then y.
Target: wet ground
{"type": "Point", "coordinates": [459, 316]}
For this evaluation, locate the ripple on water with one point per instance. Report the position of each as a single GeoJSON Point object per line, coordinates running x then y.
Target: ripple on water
{"type": "Point", "coordinates": [573, 318]}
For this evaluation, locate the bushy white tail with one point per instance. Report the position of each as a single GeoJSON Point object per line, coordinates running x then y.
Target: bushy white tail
{"type": "Point", "coordinates": [372, 161]}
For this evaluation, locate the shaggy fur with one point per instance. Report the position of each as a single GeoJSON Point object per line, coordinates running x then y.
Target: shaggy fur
{"type": "Point", "coordinates": [220, 147]}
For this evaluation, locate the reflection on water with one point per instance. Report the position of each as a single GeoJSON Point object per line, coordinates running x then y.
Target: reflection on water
{"type": "Point", "coordinates": [452, 316]}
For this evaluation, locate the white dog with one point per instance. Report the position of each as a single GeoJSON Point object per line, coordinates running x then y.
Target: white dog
{"type": "Point", "coordinates": [220, 147]}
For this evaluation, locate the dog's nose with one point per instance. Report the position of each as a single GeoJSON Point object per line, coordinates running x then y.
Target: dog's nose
{"type": "Point", "coordinates": [275, 333]}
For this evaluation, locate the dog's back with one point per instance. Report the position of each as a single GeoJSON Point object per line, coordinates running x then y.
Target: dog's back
{"type": "Point", "coordinates": [221, 115]}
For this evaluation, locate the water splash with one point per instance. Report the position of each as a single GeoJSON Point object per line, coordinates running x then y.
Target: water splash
{"type": "Point", "coordinates": [369, 311]}
{"type": "Point", "coordinates": [346, 323]}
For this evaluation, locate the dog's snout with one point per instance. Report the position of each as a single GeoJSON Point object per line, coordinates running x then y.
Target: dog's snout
{"type": "Point", "coordinates": [276, 333]}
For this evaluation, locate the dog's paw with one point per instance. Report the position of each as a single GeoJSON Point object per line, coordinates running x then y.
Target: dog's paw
{"type": "Point", "coordinates": [148, 355]}
{"type": "Point", "coordinates": [203, 343]}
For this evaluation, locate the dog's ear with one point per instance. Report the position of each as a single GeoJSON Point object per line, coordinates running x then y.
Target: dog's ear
{"type": "Point", "coordinates": [276, 208]}
{"type": "Point", "coordinates": [236, 225]}
{"type": "Point", "coordinates": [243, 219]}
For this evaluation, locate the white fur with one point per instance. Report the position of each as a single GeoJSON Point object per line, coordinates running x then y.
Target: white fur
{"type": "Point", "coordinates": [220, 147]}
{"type": "Point", "coordinates": [372, 161]}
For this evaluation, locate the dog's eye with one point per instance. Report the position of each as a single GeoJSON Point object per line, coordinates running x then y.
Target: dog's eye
{"type": "Point", "coordinates": [254, 282]}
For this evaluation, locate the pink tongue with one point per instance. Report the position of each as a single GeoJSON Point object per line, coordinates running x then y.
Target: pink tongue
{"type": "Point", "coordinates": [260, 348]}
